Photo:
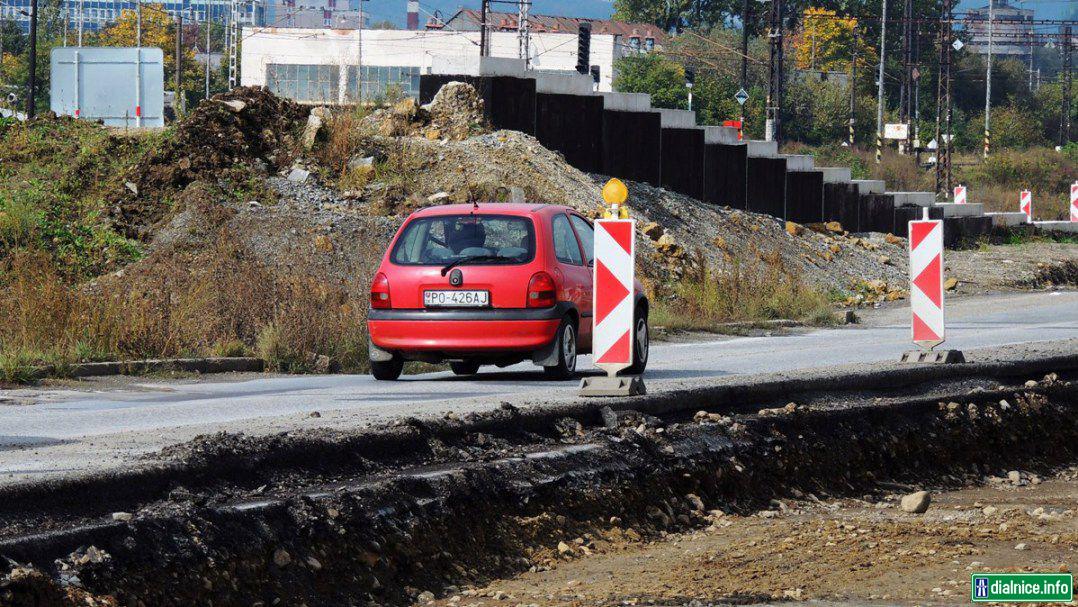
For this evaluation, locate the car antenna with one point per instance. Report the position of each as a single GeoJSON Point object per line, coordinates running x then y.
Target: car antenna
{"type": "Point", "coordinates": [475, 205]}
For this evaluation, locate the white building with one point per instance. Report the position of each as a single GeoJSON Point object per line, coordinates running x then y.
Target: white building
{"type": "Point", "coordinates": [319, 65]}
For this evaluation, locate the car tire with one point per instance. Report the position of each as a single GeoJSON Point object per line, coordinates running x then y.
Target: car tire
{"type": "Point", "coordinates": [388, 370]}
{"type": "Point", "coordinates": [566, 346]}
{"type": "Point", "coordinates": [641, 344]}
{"type": "Point", "coordinates": [464, 367]}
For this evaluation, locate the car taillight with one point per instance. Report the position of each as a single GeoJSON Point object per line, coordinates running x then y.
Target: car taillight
{"type": "Point", "coordinates": [380, 292]}
{"type": "Point", "coordinates": [542, 292]}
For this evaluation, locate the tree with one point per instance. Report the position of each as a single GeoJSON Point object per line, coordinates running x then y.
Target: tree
{"type": "Point", "coordinates": [826, 42]}
{"type": "Point", "coordinates": [654, 74]}
{"type": "Point", "coordinates": [158, 30]}
{"type": "Point", "coordinates": [15, 63]}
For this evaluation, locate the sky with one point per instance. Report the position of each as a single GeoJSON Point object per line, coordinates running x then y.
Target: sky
{"type": "Point", "coordinates": [393, 10]}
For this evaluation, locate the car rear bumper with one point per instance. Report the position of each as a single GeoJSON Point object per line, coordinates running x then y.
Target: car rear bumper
{"type": "Point", "coordinates": [465, 331]}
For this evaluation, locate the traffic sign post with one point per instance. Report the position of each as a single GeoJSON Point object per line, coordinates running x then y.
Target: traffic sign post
{"type": "Point", "coordinates": [960, 194]}
{"type": "Point", "coordinates": [1025, 204]}
{"type": "Point", "coordinates": [1074, 201]}
{"type": "Point", "coordinates": [613, 299]}
{"type": "Point", "coordinates": [926, 293]}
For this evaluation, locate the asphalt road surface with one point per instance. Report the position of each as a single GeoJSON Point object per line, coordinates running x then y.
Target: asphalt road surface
{"type": "Point", "coordinates": [49, 432]}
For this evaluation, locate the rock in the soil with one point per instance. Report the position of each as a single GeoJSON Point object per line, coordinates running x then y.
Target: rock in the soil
{"type": "Point", "coordinates": [950, 284]}
{"type": "Point", "coordinates": [234, 105]}
{"type": "Point", "coordinates": [438, 197]}
{"type": "Point", "coordinates": [653, 231]}
{"type": "Point", "coordinates": [794, 229]}
{"type": "Point", "coordinates": [131, 187]}
{"type": "Point", "coordinates": [122, 517]}
{"type": "Point", "coordinates": [895, 240]}
{"type": "Point", "coordinates": [989, 510]}
{"type": "Point", "coordinates": [1014, 476]}
{"type": "Point", "coordinates": [425, 597]}
{"type": "Point", "coordinates": [311, 131]}
{"type": "Point", "coordinates": [564, 549]}
{"type": "Point", "coordinates": [695, 501]}
{"type": "Point", "coordinates": [298, 175]}
{"type": "Point", "coordinates": [1021, 546]}
{"type": "Point", "coordinates": [281, 558]}
{"type": "Point", "coordinates": [916, 503]}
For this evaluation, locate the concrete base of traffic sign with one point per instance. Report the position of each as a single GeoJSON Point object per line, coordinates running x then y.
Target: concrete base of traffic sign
{"type": "Point", "coordinates": [942, 357]}
{"type": "Point", "coordinates": [629, 385]}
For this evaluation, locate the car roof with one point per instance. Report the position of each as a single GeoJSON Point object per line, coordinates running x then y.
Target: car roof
{"type": "Point", "coordinates": [490, 208]}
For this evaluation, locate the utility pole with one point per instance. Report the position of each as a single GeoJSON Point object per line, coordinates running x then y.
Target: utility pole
{"type": "Point", "coordinates": [773, 127]}
{"type": "Point", "coordinates": [484, 29]}
{"type": "Point", "coordinates": [209, 22]}
{"type": "Point", "coordinates": [138, 23]}
{"type": "Point", "coordinates": [1065, 84]}
{"type": "Point", "coordinates": [179, 61]}
{"type": "Point", "coordinates": [905, 90]}
{"type": "Point", "coordinates": [915, 73]}
{"type": "Point", "coordinates": [32, 84]}
{"type": "Point", "coordinates": [745, 17]}
{"type": "Point", "coordinates": [359, 56]}
{"type": "Point", "coordinates": [234, 43]}
{"type": "Point", "coordinates": [988, 81]}
{"type": "Point", "coordinates": [879, 93]}
{"type": "Point", "coordinates": [67, 19]}
{"type": "Point", "coordinates": [944, 107]}
{"type": "Point", "coordinates": [524, 32]}
{"type": "Point", "coordinates": [853, 86]}
{"type": "Point", "coordinates": [80, 22]}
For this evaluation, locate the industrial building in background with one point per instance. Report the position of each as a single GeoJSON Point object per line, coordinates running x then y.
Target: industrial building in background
{"type": "Point", "coordinates": [1012, 30]}
{"type": "Point", "coordinates": [98, 13]}
{"type": "Point", "coordinates": [319, 65]}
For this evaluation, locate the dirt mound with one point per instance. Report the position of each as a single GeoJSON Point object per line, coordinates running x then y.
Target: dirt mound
{"type": "Point", "coordinates": [455, 114]}
{"type": "Point", "coordinates": [230, 131]}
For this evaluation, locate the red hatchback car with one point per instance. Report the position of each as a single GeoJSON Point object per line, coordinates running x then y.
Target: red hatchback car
{"type": "Point", "coordinates": [489, 284]}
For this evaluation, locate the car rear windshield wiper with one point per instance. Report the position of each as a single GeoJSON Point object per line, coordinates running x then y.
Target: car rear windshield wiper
{"type": "Point", "coordinates": [474, 258]}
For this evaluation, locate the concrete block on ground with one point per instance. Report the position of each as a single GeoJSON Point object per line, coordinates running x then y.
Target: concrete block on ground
{"type": "Point", "coordinates": [677, 119]}
{"type": "Point", "coordinates": [799, 162]}
{"type": "Point", "coordinates": [683, 161]}
{"type": "Point", "coordinates": [906, 214]}
{"type": "Point", "coordinates": [804, 196]}
{"type": "Point", "coordinates": [562, 82]}
{"type": "Point", "coordinates": [725, 174]}
{"type": "Point", "coordinates": [921, 199]}
{"type": "Point", "coordinates": [720, 134]}
{"type": "Point", "coordinates": [1070, 227]}
{"type": "Point", "coordinates": [474, 65]}
{"type": "Point", "coordinates": [627, 102]}
{"type": "Point", "coordinates": [835, 174]}
{"type": "Point", "coordinates": [970, 209]}
{"type": "Point", "coordinates": [1007, 220]}
{"type": "Point", "coordinates": [869, 186]}
{"type": "Point", "coordinates": [762, 149]}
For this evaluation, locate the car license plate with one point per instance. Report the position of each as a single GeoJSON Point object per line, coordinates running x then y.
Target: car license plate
{"type": "Point", "coordinates": [456, 299]}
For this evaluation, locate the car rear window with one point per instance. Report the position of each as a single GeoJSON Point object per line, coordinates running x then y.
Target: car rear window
{"type": "Point", "coordinates": [440, 240]}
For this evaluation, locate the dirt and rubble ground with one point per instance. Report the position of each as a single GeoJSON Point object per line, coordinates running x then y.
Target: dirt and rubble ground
{"type": "Point", "coordinates": [849, 551]}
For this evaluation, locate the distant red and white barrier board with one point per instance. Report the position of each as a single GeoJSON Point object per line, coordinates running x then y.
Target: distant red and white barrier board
{"type": "Point", "coordinates": [1074, 201]}
{"type": "Point", "coordinates": [960, 194]}
{"type": "Point", "coordinates": [615, 249]}
{"type": "Point", "coordinates": [926, 282]}
{"type": "Point", "coordinates": [1025, 204]}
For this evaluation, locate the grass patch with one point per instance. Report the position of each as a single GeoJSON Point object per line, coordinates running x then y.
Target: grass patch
{"type": "Point", "coordinates": [744, 293]}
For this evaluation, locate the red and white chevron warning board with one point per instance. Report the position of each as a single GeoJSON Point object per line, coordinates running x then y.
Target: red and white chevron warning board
{"type": "Point", "coordinates": [1074, 201]}
{"type": "Point", "coordinates": [926, 282]}
{"type": "Point", "coordinates": [1025, 204]}
{"type": "Point", "coordinates": [615, 254]}
{"type": "Point", "coordinates": [960, 194]}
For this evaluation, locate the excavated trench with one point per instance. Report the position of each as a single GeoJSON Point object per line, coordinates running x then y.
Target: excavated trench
{"type": "Point", "coordinates": [462, 509]}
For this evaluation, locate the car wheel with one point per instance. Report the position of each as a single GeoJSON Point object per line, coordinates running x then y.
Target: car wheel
{"type": "Point", "coordinates": [464, 367]}
{"type": "Point", "coordinates": [388, 370]}
{"type": "Point", "coordinates": [566, 345]}
{"type": "Point", "coordinates": [641, 344]}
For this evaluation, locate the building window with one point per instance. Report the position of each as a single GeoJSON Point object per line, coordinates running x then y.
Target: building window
{"type": "Point", "coordinates": [306, 83]}
{"type": "Point", "coordinates": [649, 44]}
{"type": "Point", "coordinates": [381, 81]}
